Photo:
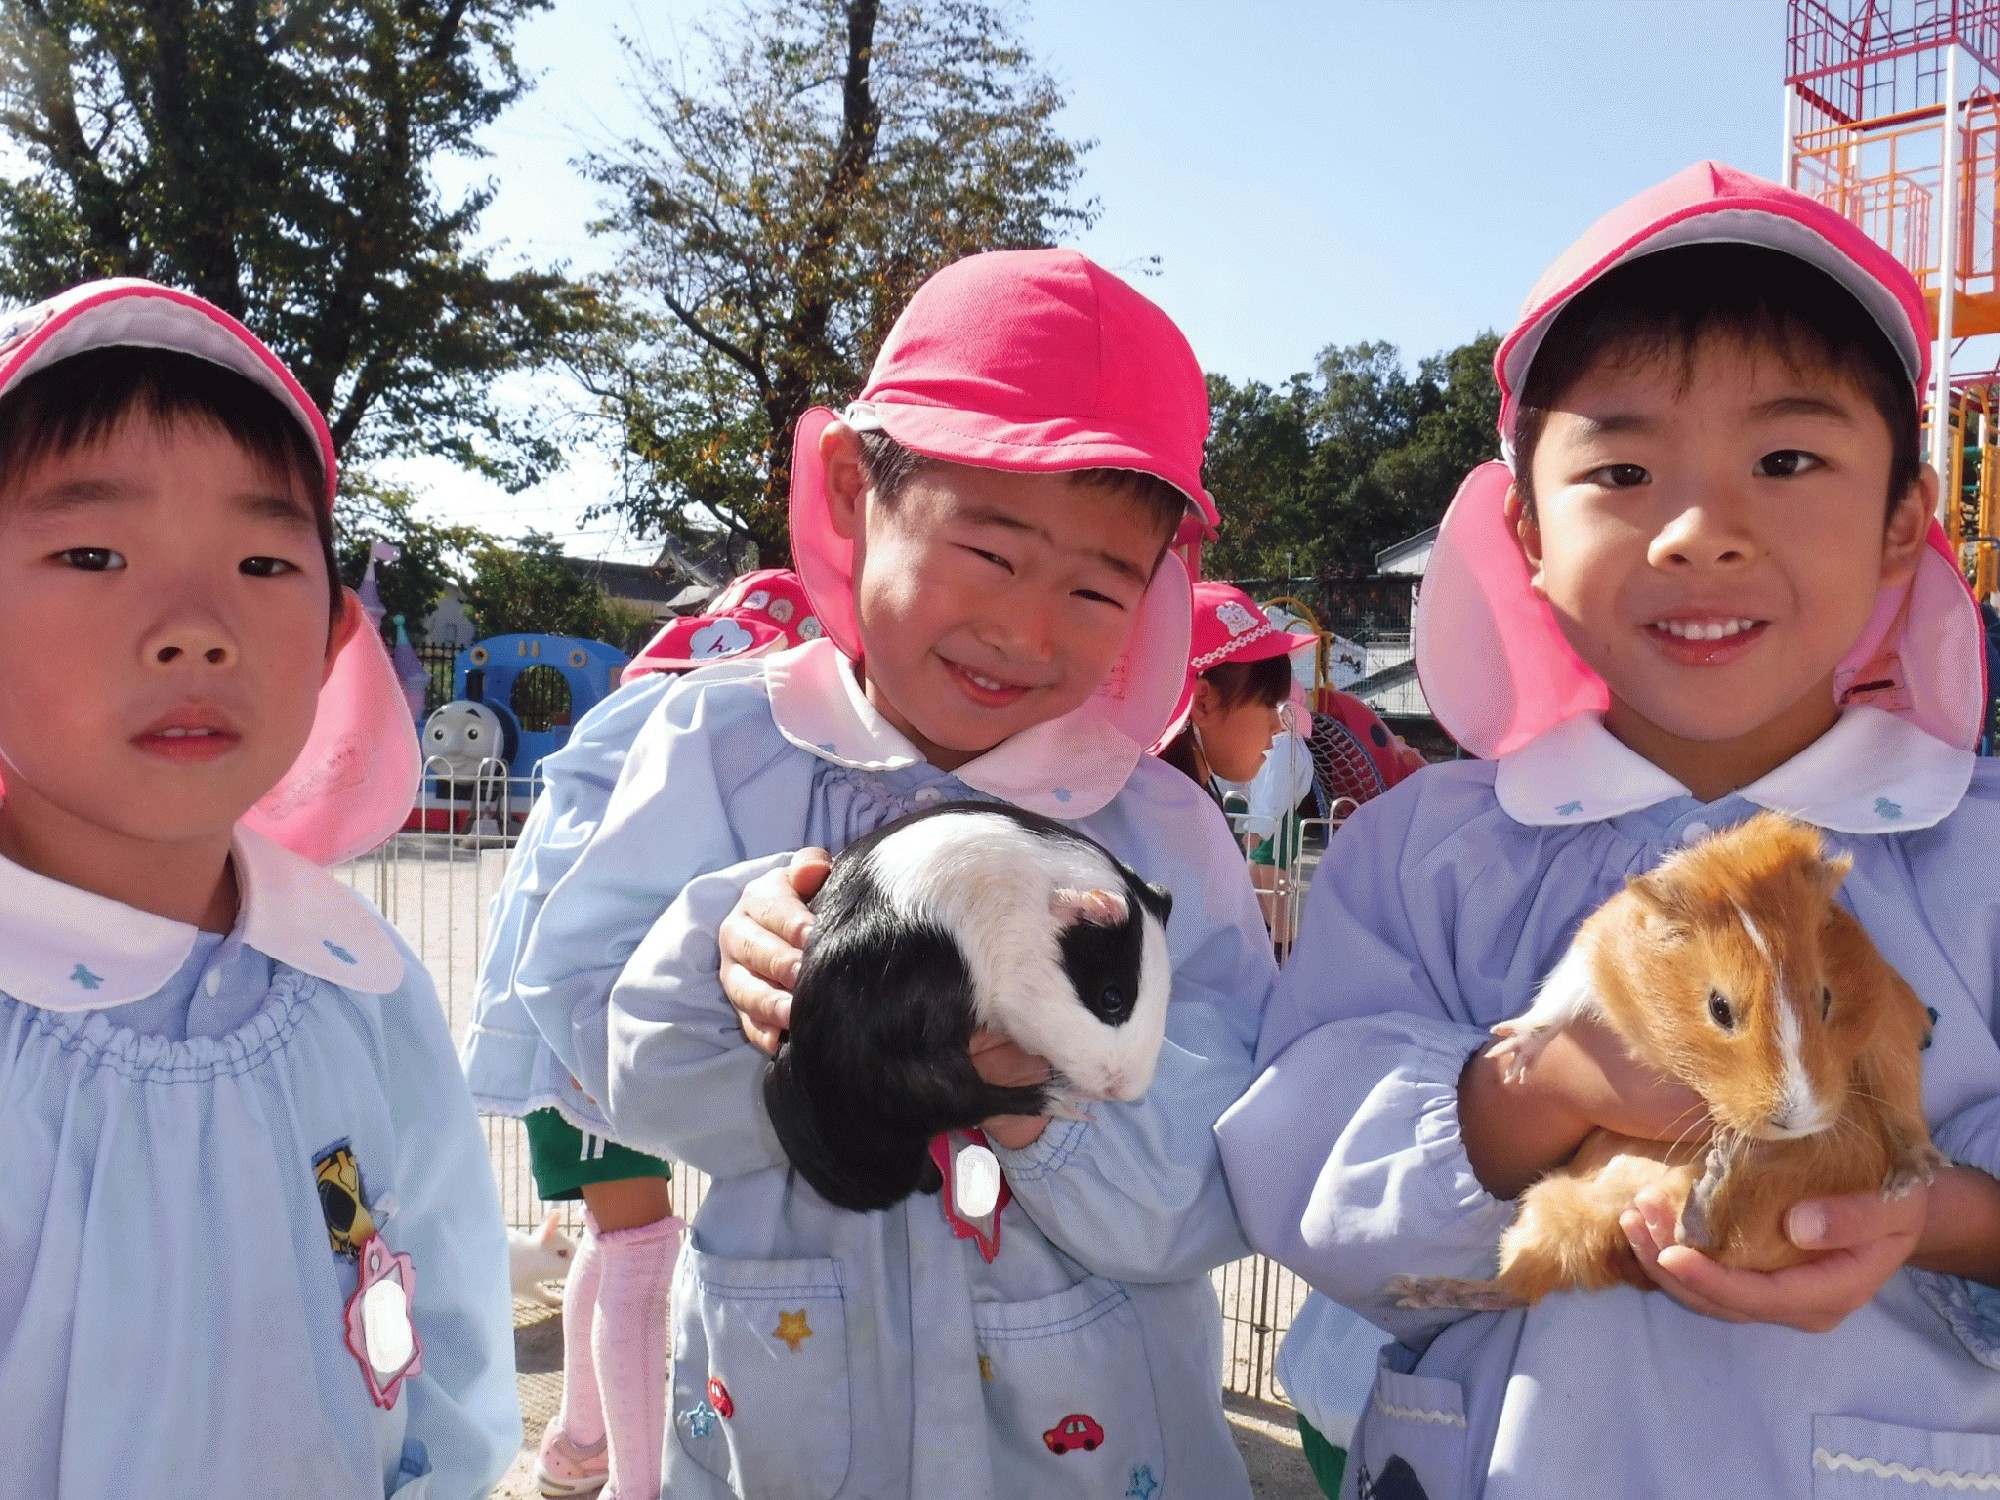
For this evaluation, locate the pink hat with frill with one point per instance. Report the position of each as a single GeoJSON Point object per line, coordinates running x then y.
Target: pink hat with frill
{"type": "Point", "coordinates": [353, 784]}
{"type": "Point", "coordinates": [1228, 627]}
{"type": "Point", "coordinates": [701, 641]}
{"type": "Point", "coordinates": [754, 614]}
{"type": "Point", "coordinates": [1494, 665]}
{"type": "Point", "coordinates": [775, 596]}
{"type": "Point", "coordinates": [1037, 362]}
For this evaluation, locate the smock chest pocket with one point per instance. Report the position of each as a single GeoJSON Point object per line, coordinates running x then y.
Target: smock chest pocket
{"type": "Point", "coordinates": [1410, 1441]}
{"type": "Point", "coordinates": [1856, 1459]}
{"type": "Point", "coordinates": [760, 1395]}
{"type": "Point", "coordinates": [1070, 1409]}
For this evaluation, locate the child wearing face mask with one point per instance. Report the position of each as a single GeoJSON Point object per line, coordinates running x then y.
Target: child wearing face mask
{"type": "Point", "coordinates": [1706, 582]}
{"type": "Point", "coordinates": [250, 1245]}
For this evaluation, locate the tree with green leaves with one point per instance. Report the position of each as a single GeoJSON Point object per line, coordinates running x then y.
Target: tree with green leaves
{"type": "Point", "coordinates": [530, 588]}
{"type": "Point", "coordinates": [277, 159]}
{"type": "Point", "coordinates": [1317, 477]}
{"type": "Point", "coordinates": [799, 175]}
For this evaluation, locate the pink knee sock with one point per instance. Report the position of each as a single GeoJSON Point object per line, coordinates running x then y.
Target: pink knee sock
{"type": "Point", "coordinates": [629, 1341]}
{"type": "Point", "coordinates": [581, 1416]}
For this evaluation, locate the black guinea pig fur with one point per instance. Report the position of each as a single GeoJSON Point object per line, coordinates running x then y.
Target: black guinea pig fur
{"type": "Point", "coordinates": [962, 916]}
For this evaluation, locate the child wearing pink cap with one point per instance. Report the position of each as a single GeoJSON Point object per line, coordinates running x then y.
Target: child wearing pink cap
{"type": "Point", "coordinates": [1706, 583]}
{"type": "Point", "coordinates": [250, 1245]}
{"type": "Point", "coordinates": [984, 538]}
{"type": "Point", "coordinates": [1239, 677]}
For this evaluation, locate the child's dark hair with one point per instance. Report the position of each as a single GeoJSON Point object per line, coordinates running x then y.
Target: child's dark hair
{"type": "Point", "coordinates": [1268, 682]}
{"type": "Point", "coordinates": [79, 401]}
{"type": "Point", "coordinates": [1664, 305]}
{"type": "Point", "coordinates": [890, 467]}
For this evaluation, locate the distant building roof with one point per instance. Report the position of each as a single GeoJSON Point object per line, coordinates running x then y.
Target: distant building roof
{"type": "Point", "coordinates": [646, 584]}
{"type": "Point", "coordinates": [1407, 558]}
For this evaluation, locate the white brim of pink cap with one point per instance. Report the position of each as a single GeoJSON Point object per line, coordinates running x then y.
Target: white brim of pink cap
{"type": "Point", "coordinates": [355, 781]}
{"type": "Point", "coordinates": [1138, 696]}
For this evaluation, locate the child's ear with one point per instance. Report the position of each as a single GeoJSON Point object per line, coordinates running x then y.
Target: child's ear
{"type": "Point", "coordinates": [846, 478]}
{"type": "Point", "coordinates": [1908, 531]}
{"type": "Point", "coordinates": [350, 620]}
{"type": "Point", "coordinates": [1207, 702]}
{"type": "Point", "coordinates": [1527, 534]}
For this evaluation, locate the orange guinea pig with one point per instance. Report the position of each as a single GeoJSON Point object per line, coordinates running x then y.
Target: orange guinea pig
{"type": "Point", "coordinates": [1732, 969]}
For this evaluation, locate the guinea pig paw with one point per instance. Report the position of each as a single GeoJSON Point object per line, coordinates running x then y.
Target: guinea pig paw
{"type": "Point", "coordinates": [1911, 1171]}
{"type": "Point", "coordinates": [1514, 1054]}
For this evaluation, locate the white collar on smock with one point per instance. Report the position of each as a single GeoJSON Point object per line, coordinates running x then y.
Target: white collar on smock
{"type": "Point", "coordinates": [1063, 768]}
{"type": "Point", "coordinates": [62, 948]}
{"type": "Point", "coordinates": [1871, 773]}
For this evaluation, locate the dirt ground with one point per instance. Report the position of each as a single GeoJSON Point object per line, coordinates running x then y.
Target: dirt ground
{"type": "Point", "coordinates": [1266, 1433]}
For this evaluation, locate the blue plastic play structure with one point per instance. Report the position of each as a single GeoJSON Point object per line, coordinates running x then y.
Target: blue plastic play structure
{"type": "Point", "coordinates": [537, 687]}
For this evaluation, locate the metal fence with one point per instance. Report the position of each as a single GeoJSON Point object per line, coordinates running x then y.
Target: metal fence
{"type": "Point", "coordinates": [435, 883]}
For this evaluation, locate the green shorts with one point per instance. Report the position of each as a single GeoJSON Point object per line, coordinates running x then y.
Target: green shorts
{"type": "Point", "coordinates": [1328, 1463]}
{"type": "Point", "coordinates": [563, 1158]}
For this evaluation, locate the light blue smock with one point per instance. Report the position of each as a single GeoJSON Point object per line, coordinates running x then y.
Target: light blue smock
{"type": "Point", "coordinates": [1436, 914]}
{"type": "Point", "coordinates": [171, 1304]}
{"type": "Point", "coordinates": [509, 1067]}
{"type": "Point", "coordinates": [926, 1372]}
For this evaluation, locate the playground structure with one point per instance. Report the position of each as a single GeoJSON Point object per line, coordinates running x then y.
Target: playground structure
{"type": "Point", "coordinates": [1892, 117]}
{"type": "Point", "coordinates": [515, 700]}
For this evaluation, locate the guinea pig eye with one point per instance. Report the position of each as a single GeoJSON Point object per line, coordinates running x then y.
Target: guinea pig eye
{"type": "Point", "coordinates": [1719, 1011]}
{"type": "Point", "coordinates": [1825, 1003]}
{"type": "Point", "coordinates": [1113, 998]}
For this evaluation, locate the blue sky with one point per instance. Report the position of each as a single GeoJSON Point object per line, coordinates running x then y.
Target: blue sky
{"type": "Point", "coordinates": [1308, 172]}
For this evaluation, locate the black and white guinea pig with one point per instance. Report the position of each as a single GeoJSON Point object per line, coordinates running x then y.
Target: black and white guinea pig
{"type": "Point", "coordinates": [965, 915]}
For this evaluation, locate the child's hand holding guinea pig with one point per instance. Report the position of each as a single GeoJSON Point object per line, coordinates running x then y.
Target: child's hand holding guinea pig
{"type": "Point", "coordinates": [1951, 1226]}
{"type": "Point", "coordinates": [762, 941]}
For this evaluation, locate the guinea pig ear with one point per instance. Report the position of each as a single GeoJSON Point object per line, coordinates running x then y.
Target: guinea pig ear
{"type": "Point", "coordinates": [1834, 870]}
{"type": "Point", "coordinates": [1099, 908]}
{"type": "Point", "coordinates": [1664, 900]}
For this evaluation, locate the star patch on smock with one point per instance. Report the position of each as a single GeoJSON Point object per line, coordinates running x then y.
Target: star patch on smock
{"type": "Point", "coordinates": [1143, 1483]}
{"type": "Point", "coordinates": [342, 1202]}
{"type": "Point", "coordinates": [792, 1329]}
{"type": "Point", "coordinates": [700, 1419]}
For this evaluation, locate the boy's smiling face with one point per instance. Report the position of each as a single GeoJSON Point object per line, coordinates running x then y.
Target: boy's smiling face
{"type": "Point", "coordinates": [1712, 537]}
{"type": "Point", "coordinates": [164, 595]}
{"type": "Point", "coordinates": [988, 601]}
